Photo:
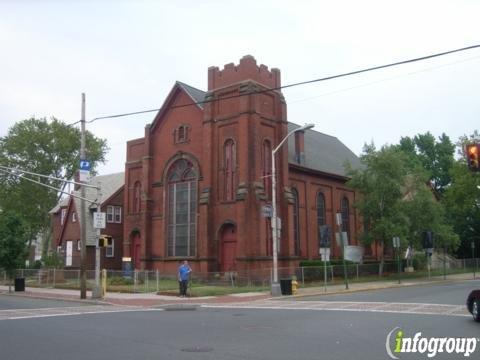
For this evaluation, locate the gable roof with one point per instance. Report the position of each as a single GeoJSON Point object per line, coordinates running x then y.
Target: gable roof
{"type": "Point", "coordinates": [323, 152]}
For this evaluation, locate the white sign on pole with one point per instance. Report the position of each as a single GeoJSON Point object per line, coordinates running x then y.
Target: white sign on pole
{"type": "Point", "coordinates": [354, 253]}
{"type": "Point", "coordinates": [325, 254]}
{"type": "Point", "coordinates": [339, 218]}
{"type": "Point", "coordinates": [99, 220]}
{"type": "Point", "coordinates": [84, 175]}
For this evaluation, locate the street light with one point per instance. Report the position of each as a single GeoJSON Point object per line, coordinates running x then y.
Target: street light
{"type": "Point", "coordinates": [275, 287]}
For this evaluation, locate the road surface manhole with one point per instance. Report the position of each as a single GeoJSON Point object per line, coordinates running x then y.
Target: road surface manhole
{"type": "Point", "coordinates": [199, 349]}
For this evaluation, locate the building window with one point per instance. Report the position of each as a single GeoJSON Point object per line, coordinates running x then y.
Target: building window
{"type": "Point", "coordinates": [296, 223]}
{"type": "Point", "coordinates": [267, 168]}
{"type": "Point", "coordinates": [110, 249]}
{"type": "Point", "coordinates": [74, 217]}
{"type": "Point", "coordinates": [345, 210]}
{"type": "Point", "coordinates": [63, 216]}
{"type": "Point", "coordinates": [137, 193]}
{"type": "Point", "coordinates": [109, 214]}
{"type": "Point", "coordinates": [321, 217]}
{"type": "Point", "coordinates": [114, 214]}
{"type": "Point", "coordinates": [182, 209]}
{"type": "Point", "coordinates": [181, 134]}
{"type": "Point", "coordinates": [118, 214]}
{"type": "Point", "coordinates": [229, 169]}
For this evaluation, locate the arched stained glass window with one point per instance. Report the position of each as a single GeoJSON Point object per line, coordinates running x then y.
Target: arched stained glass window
{"type": "Point", "coordinates": [267, 168]}
{"type": "Point", "coordinates": [137, 196]}
{"type": "Point", "coordinates": [321, 216]}
{"type": "Point", "coordinates": [345, 210]}
{"type": "Point", "coordinates": [296, 222]}
{"type": "Point", "coordinates": [230, 168]}
{"type": "Point", "coordinates": [182, 209]}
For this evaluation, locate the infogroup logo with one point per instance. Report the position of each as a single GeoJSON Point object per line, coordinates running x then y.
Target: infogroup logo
{"type": "Point", "coordinates": [429, 346]}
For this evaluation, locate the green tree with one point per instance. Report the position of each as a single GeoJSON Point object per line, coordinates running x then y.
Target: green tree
{"type": "Point", "coordinates": [48, 147]}
{"type": "Point", "coordinates": [380, 185]}
{"type": "Point", "coordinates": [397, 200]}
{"type": "Point", "coordinates": [462, 202]}
{"type": "Point", "coordinates": [13, 243]}
{"type": "Point", "coordinates": [435, 156]}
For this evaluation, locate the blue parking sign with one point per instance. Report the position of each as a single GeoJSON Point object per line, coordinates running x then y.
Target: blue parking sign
{"type": "Point", "coordinates": [84, 165]}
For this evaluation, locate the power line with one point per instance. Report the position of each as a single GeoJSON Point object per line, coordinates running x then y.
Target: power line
{"type": "Point", "coordinates": [350, 73]}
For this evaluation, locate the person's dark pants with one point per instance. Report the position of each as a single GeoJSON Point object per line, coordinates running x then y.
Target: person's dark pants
{"type": "Point", "coordinates": [183, 287]}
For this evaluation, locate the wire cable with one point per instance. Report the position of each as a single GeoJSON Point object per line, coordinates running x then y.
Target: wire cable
{"type": "Point", "coordinates": [350, 73]}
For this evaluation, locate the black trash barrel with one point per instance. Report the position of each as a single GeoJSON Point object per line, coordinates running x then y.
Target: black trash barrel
{"type": "Point", "coordinates": [286, 286]}
{"type": "Point", "coordinates": [20, 284]}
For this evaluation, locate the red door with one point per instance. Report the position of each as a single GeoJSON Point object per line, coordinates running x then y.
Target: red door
{"type": "Point", "coordinates": [136, 251]}
{"type": "Point", "coordinates": [228, 248]}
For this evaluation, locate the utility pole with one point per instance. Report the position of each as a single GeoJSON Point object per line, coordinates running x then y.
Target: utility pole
{"type": "Point", "coordinates": [83, 235]}
{"type": "Point", "coordinates": [97, 292]}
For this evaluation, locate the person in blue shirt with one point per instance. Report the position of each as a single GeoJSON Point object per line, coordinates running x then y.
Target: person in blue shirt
{"type": "Point", "coordinates": [184, 271]}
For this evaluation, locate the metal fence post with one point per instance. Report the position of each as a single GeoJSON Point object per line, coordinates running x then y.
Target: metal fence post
{"type": "Point", "coordinates": [54, 275]}
{"type": "Point", "coordinates": [357, 273]}
{"type": "Point", "coordinates": [303, 276]}
{"type": "Point", "coordinates": [157, 279]}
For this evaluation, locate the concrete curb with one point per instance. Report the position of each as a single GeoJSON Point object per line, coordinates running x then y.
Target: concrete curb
{"type": "Point", "coordinates": [389, 286]}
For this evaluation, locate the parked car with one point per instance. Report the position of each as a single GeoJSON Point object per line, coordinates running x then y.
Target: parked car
{"type": "Point", "coordinates": [473, 304]}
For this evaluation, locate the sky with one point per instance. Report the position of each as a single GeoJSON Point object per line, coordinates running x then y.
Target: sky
{"type": "Point", "coordinates": [126, 56]}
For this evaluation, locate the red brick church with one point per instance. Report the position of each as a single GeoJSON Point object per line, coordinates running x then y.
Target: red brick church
{"type": "Point", "coordinates": [196, 183]}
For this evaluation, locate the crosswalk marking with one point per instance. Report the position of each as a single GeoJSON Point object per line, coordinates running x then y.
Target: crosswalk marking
{"type": "Point", "coordinates": [18, 314]}
{"type": "Point", "coordinates": [383, 307]}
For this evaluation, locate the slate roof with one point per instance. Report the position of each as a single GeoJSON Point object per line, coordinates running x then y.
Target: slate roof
{"type": "Point", "coordinates": [323, 152]}
{"type": "Point", "coordinates": [109, 185]}
{"type": "Point", "coordinates": [197, 95]}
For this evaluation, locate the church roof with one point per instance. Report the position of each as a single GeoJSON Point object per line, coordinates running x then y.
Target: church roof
{"type": "Point", "coordinates": [323, 152]}
{"type": "Point", "coordinates": [197, 95]}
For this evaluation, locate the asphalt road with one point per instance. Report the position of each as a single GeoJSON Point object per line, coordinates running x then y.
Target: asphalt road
{"type": "Point", "coordinates": [454, 293]}
{"type": "Point", "coordinates": [88, 332]}
{"type": "Point", "coordinates": [220, 334]}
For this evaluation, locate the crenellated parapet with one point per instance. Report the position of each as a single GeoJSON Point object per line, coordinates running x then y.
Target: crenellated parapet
{"type": "Point", "coordinates": [247, 69]}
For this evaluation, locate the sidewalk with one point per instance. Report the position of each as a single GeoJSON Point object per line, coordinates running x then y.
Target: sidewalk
{"type": "Point", "coordinates": [152, 299]}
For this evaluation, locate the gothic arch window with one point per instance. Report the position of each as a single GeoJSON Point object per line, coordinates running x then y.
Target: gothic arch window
{"type": "Point", "coordinates": [267, 168]}
{"type": "Point", "coordinates": [345, 210]}
{"type": "Point", "coordinates": [296, 222]}
{"type": "Point", "coordinates": [321, 216]}
{"type": "Point", "coordinates": [230, 165]}
{"type": "Point", "coordinates": [182, 208]}
{"type": "Point", "coordinates": [137, 194]}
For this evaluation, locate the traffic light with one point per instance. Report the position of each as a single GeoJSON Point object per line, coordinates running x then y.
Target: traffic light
{"type": "Point", "coordinates": [473, 160]}
{"type": "Point", "coordinates": [325, 236]}
{"type": "Point", "coordinates": [104, 241]}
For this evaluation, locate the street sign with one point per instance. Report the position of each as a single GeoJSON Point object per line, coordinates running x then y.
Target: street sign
{"type": "Point", "coordinates": [85, 165]}
{"type": "Point", "coordinates": [267, 211]}
{"type": "Point", "coordinates": [84, 175]}
{"type": "Point", "coordinates": [325, 254]}
{"type": "Point", "coordinates": [99, 220]}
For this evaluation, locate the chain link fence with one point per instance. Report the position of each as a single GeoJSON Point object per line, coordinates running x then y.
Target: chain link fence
{"type": "Point", "coordinates": [217, 283]}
